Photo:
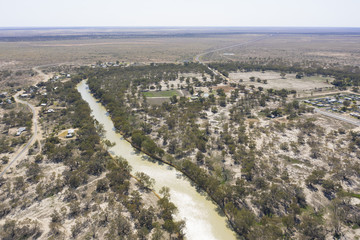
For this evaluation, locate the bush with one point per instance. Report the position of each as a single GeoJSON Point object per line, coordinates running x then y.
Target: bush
{"type": "Point", "coordinates": [4, 210]}
{"type": "Point", "coordinates": [284, 146]}
{"type": "Point", "coordinates": [20, 230]}
{"type": "Point", "coordinates": [33, 172]}
{"type": "Point", "coordinates": [316, 177]}
{"type": "Point", "coordinates": [311, 227]}
{"type": "Point", "coordinates": [5, 159]}
{"type": "Point", "coordinates": [102, 185]}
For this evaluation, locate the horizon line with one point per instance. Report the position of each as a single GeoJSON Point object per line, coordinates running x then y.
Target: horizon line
{"type": "Point", "coordinates": [178, 26]}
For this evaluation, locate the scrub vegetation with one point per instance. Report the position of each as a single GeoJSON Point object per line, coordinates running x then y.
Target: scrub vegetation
{"type": "Point", "coordinates": [234, 123]}
{"type": "Point", "coordinates": [72, 188]}
{"type": "Point", "coordinates": [264, 157]}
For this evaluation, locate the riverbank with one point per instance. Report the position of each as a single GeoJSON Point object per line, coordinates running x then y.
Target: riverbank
{"type": "Point", "coordinates": [186, 174]}
{"type": "Point", "coordinates": [200, 213]}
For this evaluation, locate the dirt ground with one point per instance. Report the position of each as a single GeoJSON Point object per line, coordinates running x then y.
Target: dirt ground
{"type": "Point", "coordinates": [329, 49]}
{"type": "Point", "coordinates": [290, 82]}
{"type": "Point", "coordinates": [334, 49]}
{"type": "Point", "coordinates": [89, 51]}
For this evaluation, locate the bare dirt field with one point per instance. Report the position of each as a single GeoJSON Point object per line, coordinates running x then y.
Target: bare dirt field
{"type": "Point", "coordinates": [331, 49]}
{"type": "Point", "coordinates": [275, 81]}
{"type": "Point", "coordinates": [158, 101]}
{"type": "Point", "coordinates": [77, 52]}
{"type": "Point", "coordinates": [334, 49]}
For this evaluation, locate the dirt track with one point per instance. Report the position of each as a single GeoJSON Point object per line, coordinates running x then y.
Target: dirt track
{"type": "Point", "coordinates": [36, 131]}
{"type": "Point", "coordinates": [22, 151]}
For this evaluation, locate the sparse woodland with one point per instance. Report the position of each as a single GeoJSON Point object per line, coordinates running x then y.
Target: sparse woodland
{"type": "Point", "coordinates": [73, 189]}
{"type": "Point", "coordinates": [274, 167]}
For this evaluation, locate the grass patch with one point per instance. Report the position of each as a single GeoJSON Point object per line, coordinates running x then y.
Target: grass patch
{"type": "Point", "coordinates": [350, 194]}
{"type": "Point", "coordinates": [168, 93]}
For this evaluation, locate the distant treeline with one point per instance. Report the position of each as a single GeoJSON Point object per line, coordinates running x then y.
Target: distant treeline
{"type": "Point", "coordinates": [168, 34]}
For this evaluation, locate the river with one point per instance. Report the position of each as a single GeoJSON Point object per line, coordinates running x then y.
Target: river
{"type": "Point", "coordinates": [200, 214]}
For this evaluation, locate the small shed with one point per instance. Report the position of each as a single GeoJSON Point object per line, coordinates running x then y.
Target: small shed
{"type": "Point", "coordinates": [20, 130]}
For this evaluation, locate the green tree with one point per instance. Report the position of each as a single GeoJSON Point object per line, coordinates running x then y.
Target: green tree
{"type": "Point", "coordinates": [102, 185]}
{"type": "Point", "coordinates": [299, 75]}
{"type": "Point", "coordinates": [33, 172]}
{"type": "Point", "coordinates": [316, 177]}
{"type": "Point", "coordinates": [311, 227]}
{"type": "Point", "coordinates": [137, 138]}
{"type": "Point", "coordinates": [145, 182]}
{"type": "Point", "coordinates": [200, 157]}
{"type": "Point", "coordinates": [149, 146]}
{"type": "Point", "coordinates": [173, 99]}
{"type": "Point", "coordinates": [346, 103]}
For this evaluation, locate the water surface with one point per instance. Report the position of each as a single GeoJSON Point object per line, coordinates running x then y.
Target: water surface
{"type": "Point", "coordinates": [200, 214]}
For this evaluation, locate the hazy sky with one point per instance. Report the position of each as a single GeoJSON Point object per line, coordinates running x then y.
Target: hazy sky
{"type": "Point", "coordinates": [313, 13]}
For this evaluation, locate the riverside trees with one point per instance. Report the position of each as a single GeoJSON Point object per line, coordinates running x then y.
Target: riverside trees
{"type": "Point", "coordinates": [240, 138]}
{"type": "Point", "coordinates": [80, 177]}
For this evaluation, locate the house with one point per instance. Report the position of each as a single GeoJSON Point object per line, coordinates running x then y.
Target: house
{"type": "Point", "coordinates": [43, 104]}
{"type": "Point", "coordinates": [70, 133]}
{"type": "Point", "coordinates": [50, 110]}
{"type": "Point", "coordinates": [25, 95]}
{"type": "Point", "coordinates": [3, 94]}
{"type": "Point", "coordinates": [20, 130]}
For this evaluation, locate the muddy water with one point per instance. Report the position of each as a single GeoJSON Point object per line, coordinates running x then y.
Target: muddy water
{"type": "Point", "coordinates": [200, 214]}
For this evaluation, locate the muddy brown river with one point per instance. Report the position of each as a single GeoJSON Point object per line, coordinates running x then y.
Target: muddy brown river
{"type": "Point", "coordinates": [201, 215]}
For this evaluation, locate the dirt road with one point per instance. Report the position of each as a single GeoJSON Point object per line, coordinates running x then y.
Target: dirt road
{"type": "Point", "coordinates": [22, 151]}
{"type": "Point", "coordinates": [36, 132]}
{"type": "Point", "coordinates": [197, 58]}
{"type": "Point", "coordinates": [337, 116]}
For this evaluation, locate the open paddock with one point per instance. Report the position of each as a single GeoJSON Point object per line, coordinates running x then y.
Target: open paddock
{"type": "Point", "coordinates": [157, 94]}
{"type": "Point", "coordinates": [157, 100]}
{"type": "Point", "coordinates": [337, 49]}
{"type": "Point", "coordinates": [275, 81]}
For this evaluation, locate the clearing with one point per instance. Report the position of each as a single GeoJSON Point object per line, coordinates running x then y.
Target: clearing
{"type": "Point", "coordinates": [275, 81]}
{"type": "Point", "coordinates": [156, 94]}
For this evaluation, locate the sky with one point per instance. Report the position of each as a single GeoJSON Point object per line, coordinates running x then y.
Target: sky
{"type": "Point", "coordinates": [242, 13]}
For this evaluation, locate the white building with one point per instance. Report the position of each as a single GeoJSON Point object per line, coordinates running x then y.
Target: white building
{"type": "Point", "coordinates": [70, 133]}
{"type": "Point", "coordinates": [20, 130]}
